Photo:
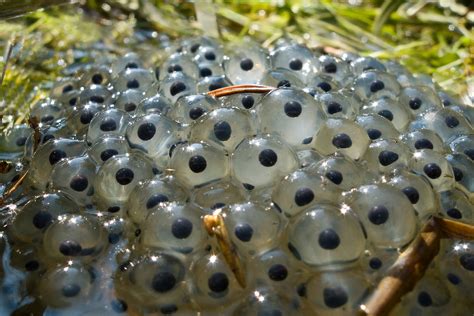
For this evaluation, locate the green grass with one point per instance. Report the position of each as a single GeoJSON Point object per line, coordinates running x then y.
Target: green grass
{"type": "Point", "coordinates": [422, 35]}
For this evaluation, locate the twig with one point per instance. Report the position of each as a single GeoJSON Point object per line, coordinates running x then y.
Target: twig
{"type": "Point", "coordinates": [6, 58]}
{"type": "Point", "coordinates": [455, 229]}
{"type": "Point", "coordinates": [241, 88]}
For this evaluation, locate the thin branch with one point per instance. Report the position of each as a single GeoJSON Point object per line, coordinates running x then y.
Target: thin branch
{"type": "Point", "coordinates": [241, 88]}
{"type": "Point", "coordinates": [455, 229]}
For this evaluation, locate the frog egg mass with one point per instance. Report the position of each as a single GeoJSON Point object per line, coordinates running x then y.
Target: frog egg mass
{"type": "Point", "coordinates": [234, 180]}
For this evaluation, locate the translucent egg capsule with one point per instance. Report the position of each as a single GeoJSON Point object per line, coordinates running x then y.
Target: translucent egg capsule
{"type": "Point", "coordinates": [466, 111]}
{"type": "Point", "coordinates": [326, 236]}
{"type": "Point", "coordinates": [213, 286]}
{"type": "Point", "coordinates": [48, 155]}
{"type": "Point", "coordinates": [154, 280]}
{"type": "Point", "coordinates": [291, 114]}
{"type": "Point", "coordinates": [247, 65]}
{"type": "Point", "coordinates": [212, 83]}
{"type": "Point", "coordinates": [374, 84]}
{"type": "Point", "coordinates": [341, 171]}
{"type": "Point", "coordinates": [456, 206]}
{"type": "Point", "coordinates": [12, 142]}
{"type": "Point", "coordinates": [341, 135]}
{"type": "Point", "coordinates": [154, 103]}
{"type": "Point", "coordinates": [106, 147]}
{"type": "Point", "coordinates": [116, 179]}
{"type": "Point", "coordinates": [175, 227]}
{"type": "Point", "coordinates": [390, 109]}
{"type": "Point", "coordinates": [46, 133]}
{"type": "Point", "coordinates": [211, 53]}
{"type": "Point", "coordinates": [190, 108]}
{"type": "Point", "coordinates": [66, 285]}
{"type": "Point", "coordinates": [434, 167]}
{"type": "Point", "coordinates": [225, 127]}
{"type": "Point", "coordinates": [179, 62]}
{"type": "Point", "coordinates": [377, 126]}
{"type": "Point", "coordinates": [335, 68]}
{"type": "Point", "coordinates": [387, 215]}
{"type": "Point", "coordinates": [339, 104]}
{"type": "Point", "coordinates": [296, 58]}
{"type": "Point", "coordinates": [75, 177]}
{"type": "Point", "coordinates": [95, 94]}
{"type": "Point", "coordinates": [218, 195]}
{"type": "Point", "coordinates": [384, 155]}
{"type": "Point", "coordinates": [176, 85]}
{"type": "Point", "coordinates": [37, 214]}
{"type": "Point", "coordinates": [26, 260]}
{"type": "Point", "coordinates": [197, 164]}
{"type": "Point", "coordinates": [423, 139]}
{"type": "Point", "coordinates": [321, 84]}
{"type": "Point", "coordinates": [128, 61]}
{"type": "Point", "coordinates": [282, 78]}
{"type": "Point", "coordinates": [47, 111]}
{"type": "Point", "coordinates": [418, 190]}
{"type": "Point", "coordinates": [98, 74]}
{"type": "Point", "coordinates": [150, 193]}
{"type": "Point", "coordinates": [463, 168]}
{"type": "Point", "coordinates": [375, 262]}
{"type": "Point", "coordinates": [260, 161]}
{"type": "Point", "coordinates": [74, 236]}
{"type": "Point", "coordinates": [82, 116]}
{"type": "Point", "coordinates": [300, 189]}
{"type": "Point", "coordinates": [154, 134]}
{"type": "Point", "coordinates": [111, 121]}
{"type": "Point", "coordinates": [253, 228]}
{"type": "Point", "coordinates": [134, 78]}
{"type": "Point", "coordinates": [63, 86]}
{"type": "Point", "coordinates": [464, 144]}
{"type": "Point", "coordinates": [364, 64]}
{"type": "Point", "coordinates": [337, 292]}
{"type": "Point", "coordinates": [447, 99]}
{"type": "Point", "coordinates": [448, 124]}
{"type": "Point", "coordinates": [307, 157]}
{"type": "Point", "coordinates": [207, 69]}
{"type": "Point", "coordinates": [129, 100]}
{"type": "Point", "coordinates": [419, 99]}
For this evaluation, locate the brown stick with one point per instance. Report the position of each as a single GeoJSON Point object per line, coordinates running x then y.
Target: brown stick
{"type": "Point", "coordinates": [241, 88]}
{"type": "Point", "coordinates": [455, 229]}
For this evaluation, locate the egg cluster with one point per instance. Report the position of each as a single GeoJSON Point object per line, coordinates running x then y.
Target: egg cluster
{"type": "Point", "coordinates": [320, 183]}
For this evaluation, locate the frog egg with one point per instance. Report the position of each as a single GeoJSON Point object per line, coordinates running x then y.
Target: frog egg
{"type": "Point", "coordinates": [217, 195]}
{"type": "Point", "coordinates": [296, 58]}
{"type": "Point", "coordinates": [74, 236]}
{"type": "Point", "coordinates": [129, 100]}
{"type": "Point", "coordinates": [134, 78]}
{"type": "Point", "coordinates": [155, 103]}
{"type": "Point", "coordinates": [456, 206]}
{"type": "Point", "coordinates": [321, 84]}
{"type": "Point", "coordinates": [176, 85]}
{"type": "Point", "coordinates": [282, 78]}
{"type": "Point", "coordinates": [207, 69]}
{"type": "Point", "coordinates": [65, 285]}
{"type": "Point", "coordinates": [386, 213]}
{"type": "Point", "coordinates": [466, 111]}
{"type": "Point", "coordinates": [326, 236]}
{"type": "Point", "coordinates": [179, 62]}
{"type": "Point", "coordinates": [211, 54]}
{"type": "Point", "coordinates": [260, 161]}
{"type": "Point", "coordinates": [396, 69]}
{"type": "Point", "coordinates": [392, 110]}
{"type": "Point", "coordinates": [247, 65]}
{"type": "Point", "coordinates": [95, 94]}
{"type": "Point", "coordinates": [26, 260]}
{"type": "Point", "coordinates": [82, 116]}
{"type": "Point", "coordinates": [37, 214]}
{"type": "Point", "coordinates": [52, 152]}
{"type": "Point", "coordinates": [307, 157]}
{"type": "Point", "coordinates": [112, 121]}
{"type": "Point", "coordinates": [419, 99]}
{"type": "Point", "coordinates": [116, 179]}
{"type": "Point", "coordinates": [190, 108]}
{"type": "Point", "coordinates": [423, 139]}
{"type": "Point", "coordinates": [244, 101]}
{"type": "Point", "coordinates": [341, 135]}
{"type": "Point", "coordinates": [384, 155]}
{"type": "Point", "coordinates": [12, 141]}
{"type": "Point", "coordinates": [376, 262]}
{"type": "Point", "coordinates": [213, 285]}
{"type": "Point", "coordinates": [464, 144]}
{"type": "Point", "coordinates": [253, 228]}
{"type": "Point", "coordinates": [341, 171]}
{"type": "Point", "coordinates": [153, 280]}
{"type": "Point", "coordinates": [211, 83]}
{"type": "Point", "coordinates": [57, 130]}
{"type": "Point", "coordinates": [334, 67]}
{"type": "Point", "coordinates": [148, 194]}
{"type": "Point", "coordinates": [107, 146]}
{"type": "Point", "coordinates": [175, 227]}
{"type": "Point", "coordinates": [47, 111]}
{"type": "Point", "coordinates": [98, 74]}
{"type": "Point", "coordinates": [63, 86]}
{"type": "Point", "coordinates": [377, 126]}
{"type": "Point", "coordinates": [418, 190]}
{"type": "Point", "coordinates": [337, 292]}
{"type": "Point", "coordinates": [69, 100]}
{"type": "Point", "coordinates": [374, 84]}
{"type": "Point", "coordinates": [448, 124]}
{"type": "Point", "coordinates": [463, 168]}
{"type": "Point", "coordinates": [364, 64]}
{"type": "Point", "coordinates": [291, 114]}
{"type": "Point", "coordinates": [191, 46]}
{"type": "Point", "coordinates": [434, 167]}
{"type": "Point", "coordinates": [339, 104]}
{"type": "Point", "coordinates": [447, 99]}
{"type": "Point", "coordinates": [154, 134]}
{"type": "Point", "coordinates": [197, 164]}
{"type": "Point", "coordinates": [301, 189]}
{"type": "Point", "coordinates": [74, 177]}
{"type": "Point", "coordinates": [128, 61]}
